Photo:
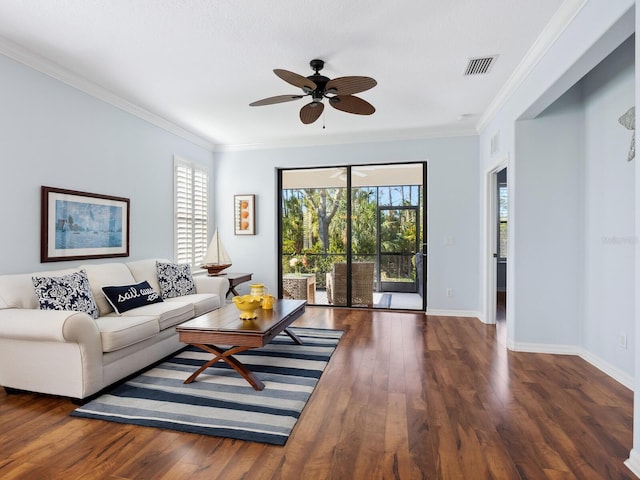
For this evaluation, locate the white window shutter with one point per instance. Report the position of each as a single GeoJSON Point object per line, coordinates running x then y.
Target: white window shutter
{"type": "Point", "coordinates": [191, 189]}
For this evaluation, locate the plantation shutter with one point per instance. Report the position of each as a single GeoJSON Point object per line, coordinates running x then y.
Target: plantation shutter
{"type": "Point", "coordinates": [191, 212]}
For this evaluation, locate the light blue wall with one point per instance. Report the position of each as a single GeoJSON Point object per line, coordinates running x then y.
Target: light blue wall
{"type": "Point", "coordinates": [548, 232]}
{"type": "Point", "coordinates": [609, 192]}
{"type": "Point", "coordinates": [574, 233]}
{"type": "Point", "coordinates": [54, 135]}
{"type": "Point", "coordinates": [598, 29]}
{"type": "Point", "coordinates": [452, 207]}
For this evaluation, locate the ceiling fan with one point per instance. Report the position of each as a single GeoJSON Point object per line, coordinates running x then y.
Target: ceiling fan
{"type": "Point", "coordinates": [339, 92]}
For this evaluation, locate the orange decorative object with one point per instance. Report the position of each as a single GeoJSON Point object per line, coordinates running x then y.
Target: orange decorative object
{"type": "Point", "coordinates": [244, 218]}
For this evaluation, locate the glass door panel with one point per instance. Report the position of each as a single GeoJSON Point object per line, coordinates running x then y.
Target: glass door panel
{"type": "Point", "coordinates": [312, 231]}
{"type": "Point", "coordinates": [351, 234]}
{"type": "Point", "coordinates": [398, 245]}
{"type": "Point", "coordinates": [385, 231]}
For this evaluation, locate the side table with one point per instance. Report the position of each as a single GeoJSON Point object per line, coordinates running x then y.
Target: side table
{"type": "Point", "coordinates": [299, 286]}
{"type": "Point", "coordinates": [236, 279]}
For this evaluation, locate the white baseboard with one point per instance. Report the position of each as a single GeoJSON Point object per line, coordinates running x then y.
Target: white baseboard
{"type": "Point", "coordinates": [545, 348]}
{"type": "Point", "coordinates": [602, 365]}
{"type": "Point", "coordinates": [614, 372]}
{"type": "Point", "coordinates": [633, 462]}
{"type": "Point", "coordinates": [452, 313]}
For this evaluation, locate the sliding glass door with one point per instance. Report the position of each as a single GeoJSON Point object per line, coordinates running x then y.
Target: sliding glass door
{"type": "Point", "coordinates": [351, 235]}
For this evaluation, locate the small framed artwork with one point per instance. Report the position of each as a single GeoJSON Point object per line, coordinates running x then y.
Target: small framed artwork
{"type": "Point", "coordinates": [79, 225]}
{"type": "Point", "coordinates": [244, 216]}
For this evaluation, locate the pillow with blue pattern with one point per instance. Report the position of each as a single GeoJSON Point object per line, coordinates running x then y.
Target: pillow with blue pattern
{"type": "Point", "coordinates": [127, 297]}
{"type": "Point", "coordinates": [69, 292]}
{"type": "Point", "coordinates": [175, 279]}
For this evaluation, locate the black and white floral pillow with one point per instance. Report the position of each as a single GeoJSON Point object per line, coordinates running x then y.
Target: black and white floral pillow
{"type": "Point", "coordinates": [175, 279]}
{"type": "Point", "coordinates": [69, 292]}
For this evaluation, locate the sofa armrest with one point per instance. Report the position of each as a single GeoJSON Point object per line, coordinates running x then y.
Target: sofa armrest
{"type": "Point", "coordinates": [49, 326]}
{"type": "Point", "coordinates": [207, 284]}
{"type": "Point", "coordinates": [50, 351]}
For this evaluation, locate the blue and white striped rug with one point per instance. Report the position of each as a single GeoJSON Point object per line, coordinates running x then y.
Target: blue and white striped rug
{"type": "Point", "coordinates": [220, 402]}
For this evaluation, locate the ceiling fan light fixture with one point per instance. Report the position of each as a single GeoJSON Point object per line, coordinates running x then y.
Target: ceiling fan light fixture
{"type": "Point", "coordinates": [339, 91]}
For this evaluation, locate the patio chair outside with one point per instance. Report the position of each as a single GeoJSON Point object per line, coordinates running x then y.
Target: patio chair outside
{"type": "Point", "coordinates": [362, 281]}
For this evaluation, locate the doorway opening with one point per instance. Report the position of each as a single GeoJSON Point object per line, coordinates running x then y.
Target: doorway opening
{"type": "Point", "coordinates": [502, 244]}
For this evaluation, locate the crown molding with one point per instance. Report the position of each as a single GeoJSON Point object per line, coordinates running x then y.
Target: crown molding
{"type": "Point", "coordinates": [56, 71]}
{"type": "Point", "coordinates": [352, 138]}
{"type": "Point", "coordinates": [66, 76]}
{"type": "Point", "coordinates": [556, 26]}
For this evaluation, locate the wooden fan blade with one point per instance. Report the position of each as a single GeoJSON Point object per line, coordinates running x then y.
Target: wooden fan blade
{"type": "Point", "coordinates": [351, 104]}
{"type": "Point", "coordinates": [349, 85]}
{"type": "Point", "coordinates": [311, 112]}
{"type": "Point", "coordinates": [277, 99]}
{"type": "Point", "coordinates": [296, 80]}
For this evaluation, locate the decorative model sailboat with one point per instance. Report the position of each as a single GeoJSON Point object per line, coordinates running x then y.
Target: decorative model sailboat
{"type": "Point", "coordinates": [217, 258]}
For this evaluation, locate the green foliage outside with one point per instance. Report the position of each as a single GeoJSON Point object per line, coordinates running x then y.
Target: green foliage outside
{"type": "Point", "coordinates": [314, 228]}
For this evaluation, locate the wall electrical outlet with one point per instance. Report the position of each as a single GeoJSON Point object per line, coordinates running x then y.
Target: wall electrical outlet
{"type": "Point", "coordinates": [449, 292]}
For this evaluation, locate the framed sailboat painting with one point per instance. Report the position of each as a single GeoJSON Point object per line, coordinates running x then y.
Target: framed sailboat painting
{"type": "Point", "coordinates": [80, 225]}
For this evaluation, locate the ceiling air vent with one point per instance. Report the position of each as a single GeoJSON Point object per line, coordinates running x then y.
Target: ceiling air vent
{"type": "Point", "coordinates": [480, 66]}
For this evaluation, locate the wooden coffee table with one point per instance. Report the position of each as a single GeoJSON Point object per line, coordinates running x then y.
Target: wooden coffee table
{"type": "Point", "coordinates": [224, 327]}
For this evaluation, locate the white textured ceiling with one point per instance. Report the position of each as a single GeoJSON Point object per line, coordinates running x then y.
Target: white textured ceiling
{"type": "Point", "coordinates": [199, 63]}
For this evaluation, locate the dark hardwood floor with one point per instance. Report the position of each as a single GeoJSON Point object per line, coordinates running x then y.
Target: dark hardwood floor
{"type": "Point", "coordinates": [405, 396]}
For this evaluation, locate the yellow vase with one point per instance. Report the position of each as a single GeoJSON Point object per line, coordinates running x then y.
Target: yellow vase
{"type": "Point", "coordinates": [256, 290]}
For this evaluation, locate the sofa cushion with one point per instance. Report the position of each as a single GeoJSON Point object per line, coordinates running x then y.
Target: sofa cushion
{"type": "Point", "coordinates": [167, 314]}
{"type": "Point", "coordinates": [202, 302]}
{"type": "Point", "coordinates": [127, 297]}
{"type": "Point", "coordinates": [175, 279]}
{"type": "Point", "coordinates": [119, 332]}
{"type": "Point", "coordinates": [146, 270]}
{"type": "Point", "coordinates": [68, 292]}
{"type": "Point", "coordinates": [101, 274]}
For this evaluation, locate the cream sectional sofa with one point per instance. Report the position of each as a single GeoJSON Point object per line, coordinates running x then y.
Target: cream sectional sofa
{"type": "Point", "coordinates": [70, 353]}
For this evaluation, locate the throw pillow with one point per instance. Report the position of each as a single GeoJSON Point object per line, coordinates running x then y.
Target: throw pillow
{"type": "Point", "coordinates": [127, 297]}
{"type": "Point", "coordinates": [175, 279]}
{"type": "Point", "coordinates": [69, 292]}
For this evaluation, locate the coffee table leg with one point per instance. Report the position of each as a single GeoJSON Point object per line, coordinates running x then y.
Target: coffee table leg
{"type": "Point", "coordinates": [293, 336]}
{"type": "Point", "coordinates": [226, 356]}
